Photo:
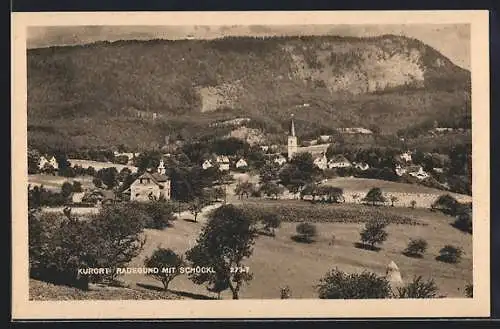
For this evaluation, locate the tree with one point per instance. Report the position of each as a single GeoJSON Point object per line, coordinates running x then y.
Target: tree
{"type": "Point", "coordinates": [393, 200]}
{"type": "Point", "coordinates": [123, 174]}
{"type": "Point", "coordinates": [33, 158]}
{"type": "Point", "coordinates": [374, 233]}
{"type": "Point", "coordinates": [447, 204]}
{"type": "Point", "coordinates": [66, 189]}
{"type": "Point", "coordinates": [108, 176]}
{"type": "Point", "coordinates": [418, 288]}
{"type": "Point", "coordinates": [306, 232]}
{"type": "Point", "coordinates": [311, 189]}
{"type": "Point", "coordinates": [413, 203]}
{"type": "Point", "coordinates": [97, 182]}
{"type": "Point", "coordinates": [244, 188]}
{"type": "Point", "coordinates": [463, 221]}
{"type": "Point", "coordinates": [147, 160]}
{"type": "Point", "coordinates": [224, 243]}
{"type": "Point", "coordinates": [196, 206]}
{"type": "Point", "coordinates": [271, 221]}
{"type": "Point", "coordinates": [450, 254]}
{"type": "Point", "coordinates": [168, 264]}
{"type": "Point", "coordinates": [415, 248]}
{"type": "Point", "coordinates": [272, 189]}
{"type": "Point", "coordinates": [90, 171]}
{"type": "Point", "coordinates": [269, 172]}
{"type": "Point", "coordinates": [299, 172]}
{"type": "Point", "coordinates": [77, 186]}
{"type": "Point", "coordinates": [340, 285]}
{"type": "Point", "coordinates": [331, 193]}
{"type": "Point", "coordinates": [374, 195]}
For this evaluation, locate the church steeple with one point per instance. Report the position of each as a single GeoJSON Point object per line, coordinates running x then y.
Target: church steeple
{"type": "Point", "coordinates": [292, 128]}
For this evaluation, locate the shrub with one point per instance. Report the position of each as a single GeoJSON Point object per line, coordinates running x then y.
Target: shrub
{"type": "Point", "coordinates": [285, 292]}
{"type": "Point", "coordinates": [306, 232]}
{"type": "Point", "coordinates": [167, 262]}
{"type": "Point", "coordinates": [447, 204]}
{"type": "Point", "coordinates": [418, 289]}
{"type": "Point", "coordinates": [450, 254]}
{"type": "Point", "coordinates": [413, 203]}
{"type": "Point", "coordinates": [463, 221]}
{"type": "Point", "coordinates": [469, 290]}
{"type": "Point", "coordinates": [374, 233]}
{"type": "Point", "coordinates": [270, 221]}
{"type": "Point", "coordinates": [339, 285]}
{"type": "Point", "coordinates": [416, 248]}
{"type": "Point", "coordinates": [157, 215]}
{"type": "Point", "coordinates": [374, 196]}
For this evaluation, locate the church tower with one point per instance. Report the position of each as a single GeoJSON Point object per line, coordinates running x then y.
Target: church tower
{"type": "Point", "coordinates": [292, 141]}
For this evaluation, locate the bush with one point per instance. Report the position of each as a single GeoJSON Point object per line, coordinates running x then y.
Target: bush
{"type": "Point", "coordinates": [339, 285]}
{"type": "Point", "coordinates": [418, 289]}
{"type": "Point", "coordinates": [374, 196]}
{"type": "Point", "coordinates": [450, 254]}
{"type": "Point", "coordinates": [157, 215]}
{"type": "Point", "coordinates": [416, 248]}
{"type": "Point", "coordinates": [270, 221]}
{"type": "Point", "coordinates": [167, 262]}
{"type": "Point", "coordinates": [374, 233]}
{"type": "Point", "coordinates": [469, 290]}
{"type": "Point", "coordinates": [463, 222]}
{"type": "Point", "coordinates": [306, 232]}
{"type": "Point", "coordinates": [447, 204]}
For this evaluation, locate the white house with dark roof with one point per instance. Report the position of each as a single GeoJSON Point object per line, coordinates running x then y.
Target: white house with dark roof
{"type": "Point", "coordinates": [241, 163]}
{"type": "Point", "coordinates": [207, 164]}
{"type": "Point", "coordinates": [321, 162]}
{"type": "Point", "coordinates": [361, 165]}
{"type": "Point", "coordinates": [223, 162]}
{"type": "Point", "coordinates": [151, 186]}
{"type": "Point", "coordinates": [280, 160]}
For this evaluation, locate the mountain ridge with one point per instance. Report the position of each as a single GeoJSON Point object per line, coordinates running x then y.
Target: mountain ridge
{"type": "Point", "coordinates": [354, 80]}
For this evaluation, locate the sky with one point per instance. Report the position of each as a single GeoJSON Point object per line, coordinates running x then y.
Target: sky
{"type": "Point", "coordinates": [452, 40]}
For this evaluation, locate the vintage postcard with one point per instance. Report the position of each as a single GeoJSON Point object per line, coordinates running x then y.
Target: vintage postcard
{"type": "Point", "coordinates": [250, 165]}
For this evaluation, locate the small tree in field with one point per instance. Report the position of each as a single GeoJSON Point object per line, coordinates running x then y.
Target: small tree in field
{"type": "Point", "coordinates": [196, 206]}
{"type": "Point", "coordinates": [416, 248]}
{"type": "Point", "coordinates": [418, 288]}
{"type": "Point", "coordinates": [374, 196]}
{"type": "Point", "coordinates": [413, 203]}
{"type": "Point", "coordinates": [168, 264]}
{"type": "Point", "coordinates": [393, 200]}
{"type": "Point", "coordinates": [374, 233]}
{"type": "Point", "coordinates": [450, 254]}
{"type": "Point", "coordinates": [271, 221]}
{"type": "Point", "coordinates": [306, 232]}
{"type": "Point", "coordinates": [339, 285]}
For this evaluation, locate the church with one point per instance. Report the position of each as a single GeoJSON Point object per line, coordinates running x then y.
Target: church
{"type": "Point", "coordinates": [317, 151]}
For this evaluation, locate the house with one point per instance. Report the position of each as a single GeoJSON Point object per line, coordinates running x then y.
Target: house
{"type": "Point", "coordinates": [406, 156]}
{"type": "Point", "coordinates": [207, 164]}
{"type": "Point", "coordinates": [264, 148]}
{"type": "Point", "coordinates": [53, 163]}
{"type": "Point", "coordinates": [417, 172]}
{"type": "Point", "coordinates": [280, 160]}
{"type": "Point", "coordinates": [241, 163]}
{"type": "Point", "coordinates": [339, 161]}
{"type": "Point", "coordinates": [321, 162]}
{"type": "Point", "coordinates": [42, 162]}
{"type": "Point", "coordinates": [223, 162]}
{"type": "Point", "coordinates": [324, 138]}
{"type": "Point", "coordinates": [361, 165]}
{"type": "Point", "coordinates": [438, 170]}
{"type": "Point", "coordinates": [77, 197]}
{"type": "Point", "coordinates": [399, 170]}
{"type": "Point", "coordinates": [151, 186]}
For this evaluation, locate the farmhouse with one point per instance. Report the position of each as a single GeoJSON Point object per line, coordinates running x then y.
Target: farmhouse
{"type": "Point", "coordinates": [321, 162]}
{"type": "Point", "coordinates": [406, 156]}
{"type": "Point", "coordinates": [339, 161]}
{"type": "Point", "coordinates": [207, 164]}
{"type": "Point", "coordinates": [280, 160]}
{"type": "Point", "coordinates": [43, 163]}
{"type": "Point", "coordinates": [413, 170]}
{"type": "Point", "coordinates": [241, 163]}
{"type": "Point", "coordinates": [151, 186]}
{"type": "Point", "coordinates": [223, 162]}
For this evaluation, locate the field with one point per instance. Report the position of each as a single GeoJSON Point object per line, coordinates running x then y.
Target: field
{"type": "Point", "coordinates": [55, 182]}
{"type": "Point", "coordinates": [424, 196]}
{"type": "Point", "coordinates": [100, 165]}
{"type": "Point", "coordinates": [280, 261]}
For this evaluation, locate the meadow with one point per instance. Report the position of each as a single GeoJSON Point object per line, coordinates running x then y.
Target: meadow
{"type": "Point", "coordinates": [279, 261]}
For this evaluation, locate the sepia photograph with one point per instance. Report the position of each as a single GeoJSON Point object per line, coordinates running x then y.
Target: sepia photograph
{"type": "Point", "coordinates": [206, 159]}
